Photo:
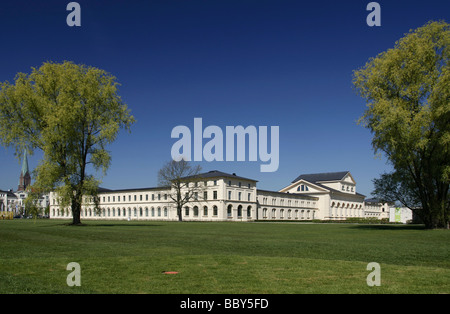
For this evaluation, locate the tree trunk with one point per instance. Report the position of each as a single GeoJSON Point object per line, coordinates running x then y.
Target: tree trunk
{"type": "Point", "coordinates": [179, 212]}
{"type": "Point", "coordinates": [76, 211]}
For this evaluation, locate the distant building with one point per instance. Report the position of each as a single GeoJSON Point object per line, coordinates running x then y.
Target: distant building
{"type": "Point", "coordinates": [8, 201]}
{"type": "Point", "coordinates": [336, 193]}
{"type": "Point", "coordinates": [400, 214]}
{"type": "Point", "coordinates": [374, 208]}
{"type": "Point", "coordinates": [15, 201]}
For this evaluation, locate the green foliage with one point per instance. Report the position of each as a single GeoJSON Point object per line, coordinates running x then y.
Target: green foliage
{"type": "Point", "coordinates": [408, 112]}
{"type": "Point", "coordinates": [70, 112]}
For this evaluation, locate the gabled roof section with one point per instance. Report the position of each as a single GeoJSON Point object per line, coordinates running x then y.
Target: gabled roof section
{"type": "Point", "coordinates": [218, 174]}
{"type": "Point", "coordinates": [321, 177]}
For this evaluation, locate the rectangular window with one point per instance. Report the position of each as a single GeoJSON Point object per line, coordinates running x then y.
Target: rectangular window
{"type": "Point", "coordinates": [146, 197]}
{"type": "Point", "coordinates": [249, 196]}
{"type": "Point", "coordinates": [215, 195]}
{"type": "Point", "coordinates": [153, 197]}
{"type": "Point", "coordinates": [140, 197]}
{"type": "Point", "coordinates": [205, 195]}
{"type": "Point", "coordinates": [239, 196]}
{"type": "Point", "coordinates": [215, 182]}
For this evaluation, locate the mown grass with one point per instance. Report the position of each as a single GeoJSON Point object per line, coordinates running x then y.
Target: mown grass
{"type": "Point", "coordinates": [225, 257]}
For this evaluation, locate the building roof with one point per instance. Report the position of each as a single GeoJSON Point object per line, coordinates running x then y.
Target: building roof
{"type": "Point", "coordinates": [8, 193]}
{"type": "Point", "coordinates": [104, 190]}
{"type": "Point", "coordinates": [320, 177]}
{"type": "Point", "coordinates": [218, 174]}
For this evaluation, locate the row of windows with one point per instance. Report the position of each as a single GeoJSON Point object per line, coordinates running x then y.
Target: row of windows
{"type": "Point", "coordinates": [289, 202]}
{"type": "Point", "coordinates": [113, 212]}
{"type": "Point", "coordinates": [346, 212]}
{"type": "Point", "coordinates": [239, 196]}
{"type": "Point", "coordinates": [346, 205]}
{"type": "Point", "coordinates": [205, 211]}
{"type": "Point", "coordinates": [295, 214]}
{"type": "Point", "coordinates": [239, 211]}
{"type": "Point", "coordinates": [348, 188]}
{"type": "Point", "coordinates": [108, 198]}
{"type": "Point", "coordinates": [239, 184]}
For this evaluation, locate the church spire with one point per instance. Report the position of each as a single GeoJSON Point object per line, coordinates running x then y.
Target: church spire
{"type": "Point", "coordinates": [25, 178]}
{"type": "Point", "coordinates": [25, 163]}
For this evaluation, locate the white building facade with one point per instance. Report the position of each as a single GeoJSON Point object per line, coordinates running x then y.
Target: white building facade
{"type": "Point", "coordinates": [221, 197]}
{"type": "Point", "coordinates": [336, 193]}
{"type": "Point", "coordinates": [227, 197]}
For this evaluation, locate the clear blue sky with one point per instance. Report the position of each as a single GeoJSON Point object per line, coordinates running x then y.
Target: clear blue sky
{"type": "Point", "coordinates": [230, 62]}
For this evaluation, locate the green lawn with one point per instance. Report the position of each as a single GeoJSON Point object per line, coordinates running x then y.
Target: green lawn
{"type": "Point", "coordinates": [225, 257]}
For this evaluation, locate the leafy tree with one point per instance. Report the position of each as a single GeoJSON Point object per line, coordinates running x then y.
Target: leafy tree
{"type": "Point", "coordinates": [407, 90]}
{"type": "Point", "coordinates": [184, 183]}
{"type": "Point", "coordinates": [71, 112]}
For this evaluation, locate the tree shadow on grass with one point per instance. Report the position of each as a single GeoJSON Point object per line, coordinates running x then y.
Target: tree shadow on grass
{"type": "Point", "coordinates": [389, 227]}
{"type": "Point", "coordinates": [123, 225]}
{"type": "Point", "coordinates": [118, 224]}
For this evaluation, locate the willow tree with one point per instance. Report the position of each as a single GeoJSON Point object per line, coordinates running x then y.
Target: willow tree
{"type": "Point", "coordinates": [407, 91]}
{"type": "Point", "coordinates": [71, 113]}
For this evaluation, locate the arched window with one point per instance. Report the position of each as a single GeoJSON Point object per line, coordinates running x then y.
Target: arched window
{"type": "Point", "coordinates": [186, 211]}
{"type": "Point", "coordinates": [215, 211]}
{"type": "Point", "coordinates": [135, 211]}
{"type": "Point", "coordinates": [165, 211]}
{"type": "Point", "coordinates": [205, 210]}
{"type": "Point", "coordinates": [249, 211]}
{"type": "Point", "coordinates": [195, 211]}
{"type": "Point", "coordinates": [159, 211]}
{"type": "Point", "coordinates": [264, 212]}
{"type": "Point", "coordinates": [146, 211]}
{"type": "Point", "coordinates": [140, 212]}
{"type": "Point", "coordinates": [240, 211]}
{"type": "Point", "coordinates": [153, 212]}
{"type": "Point", "coordinates": [274, 213]}
{"type": "Point", "coordinates": [230, 211]}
